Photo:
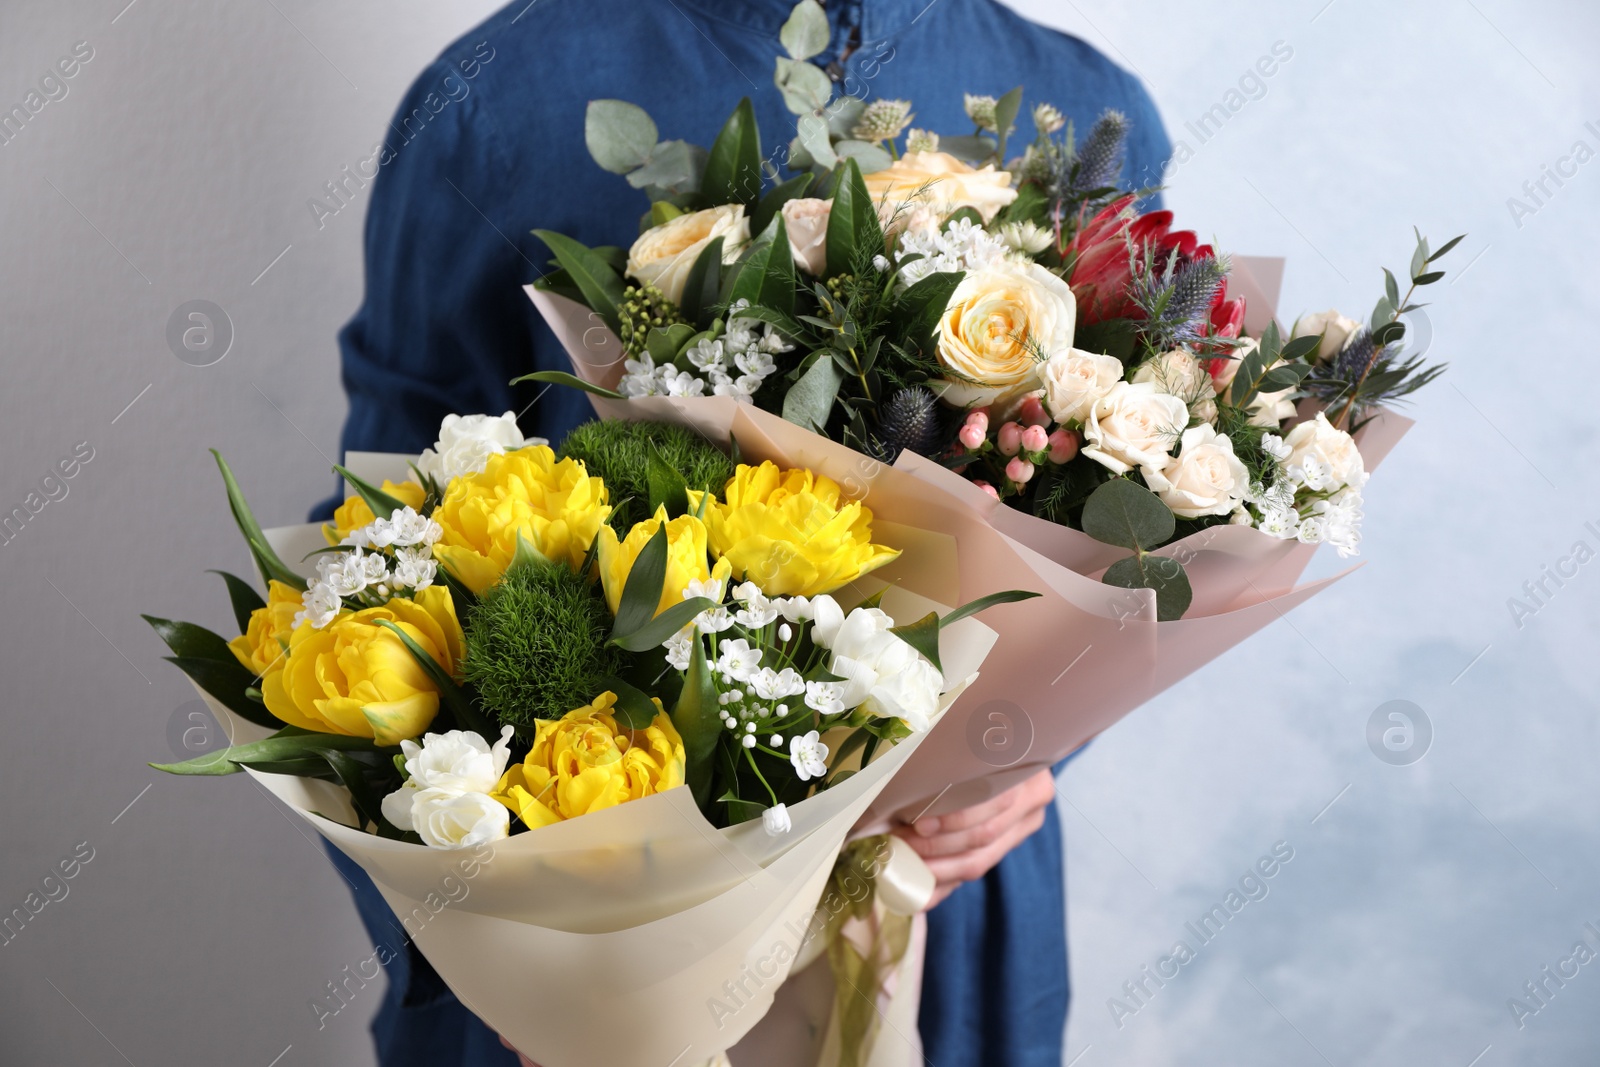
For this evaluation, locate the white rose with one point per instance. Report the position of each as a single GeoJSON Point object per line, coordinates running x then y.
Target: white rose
{"type": "Point", "coordinates": [460, 761]}
{"type": "Point", "coordinates": [663, 255]}
{"type": "Point", "coordinates": [1268, 410]}
{"type": "Point", "coordinates": [805, 220]}
{"type": "Point", "coordinates": [1334, 328]}
{"type": "Point", "coordinates": [1176, 372]}
{"type": "Point", "coordinates": [942, 180]}
{"type": "Point", "coordinates": [1206, 478]}
{"type": "Point", "coordinates": [467, 441]}
{"type": "Point", "coordinates": [446, 819]}
{"type": "Point", "coordinates": [881, 672]}
{"type": "Point", "coordinates": [1000, 323]}
{"type": "Point", "coordinates": [1319, 439]}
{"type": "Point", "coordinates": [1134, 426]}
{"type": "Point", "coordinates": [1075, 379]}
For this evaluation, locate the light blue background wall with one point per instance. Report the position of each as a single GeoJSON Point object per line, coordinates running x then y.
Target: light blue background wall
{"type": "Point", "coordinates": [178, 167]}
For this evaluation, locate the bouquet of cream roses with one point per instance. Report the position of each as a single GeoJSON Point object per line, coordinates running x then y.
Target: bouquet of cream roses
{"type": "Point", "coordinates": [620, 678]}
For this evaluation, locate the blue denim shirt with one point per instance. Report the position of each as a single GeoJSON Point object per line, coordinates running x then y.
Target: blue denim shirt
{"type": "Point", "coordinates": [487, 145]}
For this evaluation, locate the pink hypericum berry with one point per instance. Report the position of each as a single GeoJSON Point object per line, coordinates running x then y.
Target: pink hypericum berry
{"type": "Point", "coordinates": [1010, 439]}
{"type": "Point", "coordinates": [1063, 445]}
{"type": "Point", "coordinates": [1019, 470]}
{"type": "Point", "coordinates": [971, 436]}
{"type": "Point", "coordinates": [1034, 439]}
{"type": "Point", "coordinates": [1032, 412]}
{"type": "Point", "coordinates": [987, 488]}
{"type": "Point", "coordinates": [979, 417]}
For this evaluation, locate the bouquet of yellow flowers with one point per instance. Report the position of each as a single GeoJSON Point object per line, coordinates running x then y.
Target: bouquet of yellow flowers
{"type": "Point", "coordinates": [615, 709]}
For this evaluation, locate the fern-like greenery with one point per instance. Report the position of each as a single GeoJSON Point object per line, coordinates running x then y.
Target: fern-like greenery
{"type": "Point", "coordinates": [536, 644]}
{"type": "Point", "coordinates": [618, 452]}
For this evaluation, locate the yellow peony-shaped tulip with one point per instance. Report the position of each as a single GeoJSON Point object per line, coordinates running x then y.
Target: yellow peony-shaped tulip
{"type": "Point", "coordinates": [354, 513]}
{"type": "Point", "coordinates": [788, 532]}
{"type": "Point", "coordinates": [357, 678]}
{"type": "Point", "coordinates": [586, 761]}
{"type": "Point", "coordinates": [686, 557]}
{"type": "Point", "coordinates": [554, 505]}
{"type": "Point", "coordinates": [260, 647]}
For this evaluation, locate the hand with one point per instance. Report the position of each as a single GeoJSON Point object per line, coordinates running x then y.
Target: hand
{"type": "Point", "coordinates": [521, 1059]}
{"type": "Point", "coordinates": [964, 845]}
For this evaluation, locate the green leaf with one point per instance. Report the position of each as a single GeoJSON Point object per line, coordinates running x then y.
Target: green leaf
{"type": "Point", "coordinates": [633, 708]}
{"type": "Point", "coordinates": [917, 312]}
{"type": "Point", "coordinates": [1126, 514]}
{"type": "Point", "coordinates": [654, 633]}
{"type": "Point", "coordinates": [244, 597]}
{"type": "Point", "coordinates": [1247, 379]}
{"type": "Point", "coordinates": [970, 147]}
{"type": "Point", "coordinates": [869, 157]}
{"type": "Point", "coordinates": [805, 88]}
{"type": "Point", "coordinates": [229, 682]}
{"type": "Point", "coordinates": [1300, 348]}
{"type": "Point", "coordinates": [702, 288]}
{"type": "Point", "coordinates": [561, 377]}
{"type": "Point", "coordinates": [641, 592]}
{"type": "Point", "coordinates": [600, 285]}
{"type": "Point", "coordinates": [1391, 288]}
{"type": "Point", "coordinates": [668, 487]}
{"type": "Point", "coordinates": [772, 203]}
{"type": "Point", "coordinates": [922, 635]}
{"type": "Point", "coordinates": [983, 603]}
{"type": "Point", "coordinates": [1161, 573]}
{"type": "Point", "coordinates": [1111, 337]}
{"type": "Point", "coordinates": [698, 722]}
{"type": "Point", "coordinates": [805, 33]}
{"type": "Point", "coordinates": [661, 212]}
{"type": "Point", "coordinates": [451, 695]}
{"type": "Point", "coordinates": [675, 168]}
{"type": "Point", "coordinates": [809, 401]}
{"type": "Point", "coordinates": [1287, 376]}
{"type": "Point", "coordinates": [619, 135]}
{"type": "Point", "coordinates": [284, 745]}
{"type": "Point", "coordinates": [843, 114]}
{"type": "Point", "coordinates": [1447, 246]}
{"type": "Point", "coordinates": [525, 555]}
{"type": "Point", "coordinates": [853, 229]}
{"type": "Point", "coordinates": [266, 559]}
{"type": "Point", "coordinates": [1005, 116]}
{"type": "Point", "coordinates": [1388, 333]}
{"type": "Point", "coordinates": [665, 342]}
{"type": "Point", "coordinates": [1419, 258]}
{"type": "Point", "coordinates": [382, 504]}
{"type": "Point", "coordinates": [766, 278]}
{"type": "Point", "coordinates": [1428, 278]}
{"type": "Point", "coordinates": [733, 169]}
{"type": "Point", "coordinates": [187, 639]}
{"type": "Point", "coordinates": [815, 146]}
{"type": "Point", "coordinates": [365, 799]}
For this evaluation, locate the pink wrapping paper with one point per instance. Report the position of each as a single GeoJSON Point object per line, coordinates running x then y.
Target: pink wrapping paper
{"type": "Point", "coordinates": [1067, 664]}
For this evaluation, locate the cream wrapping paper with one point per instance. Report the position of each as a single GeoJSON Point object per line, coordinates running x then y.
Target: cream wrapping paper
{"type": "Point", "coordinates": [636, 936]}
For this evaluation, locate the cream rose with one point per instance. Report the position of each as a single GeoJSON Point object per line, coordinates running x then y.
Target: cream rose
{"type": "Point", "coordinates": [1000, 324]}
{"type": "Point", "coordinates": [663, 254]}
{"type": "Point", "coordinates": [940, 179]}
{"type": "Point", "coordinates": [1176, 372]}
{"type": "Point", "coordinates": [1334, 328]}
{"type": "Point", "coordinates": [805, 220]}
{"type": "Point", "coordinates": [1074, 380]}
{"type": "Point", "coordinates": [1134, 426]}
{"type": "Point", "coordinates": [1206, 478]}
{"type": "Point", "coordinates": [1318, 440]}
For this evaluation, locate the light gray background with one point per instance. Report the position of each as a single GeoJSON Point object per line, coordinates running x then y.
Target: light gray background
{"type": "Point", "coordinates": [1418, 900]}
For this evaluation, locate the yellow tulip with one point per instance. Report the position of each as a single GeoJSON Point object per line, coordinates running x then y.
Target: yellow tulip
{"type": "Point", "coordinates": [789, 532]}
{"type": "Point", "coordinates": [686, 557]}
{"type": "Point", "coordinates": [354, 513]}
{"type": "Point", "coordinates": [260, 647]}
{"type": "Point", "coordinates": [555, 506]}
{"type": "Point", "coordinates": [357, 678]}
{"type": "Point", "coordinates": [586, 761]}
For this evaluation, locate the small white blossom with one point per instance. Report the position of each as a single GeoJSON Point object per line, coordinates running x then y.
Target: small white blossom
{"type": "Point", "coordinates": [775, 685]}
{"type": "Point", "coordinates": [414, 569]}
{"type": "Point", "coordinates": [794, 608]}
{"type": "Point", "coordinates": [1027, 237]}
{"type": "Point", "coordinates": [748, 741]}
{"type": "Point", "coordinates": [825, 698]}
{"type": "Point", "coordinates": [809, 755]}
{"type": "Point", "coordinates": [785, 632]}
{"type": "Point", "coordinates": [736, 660]}
{"type": "Point", "coordinates": [775, 820]}
{"type": "Point", "coordinates": [1273, 446]}
{"type": "Point", "coordinates": [319, 605]}
{"type": "Point", "coordinates": [680, 648]}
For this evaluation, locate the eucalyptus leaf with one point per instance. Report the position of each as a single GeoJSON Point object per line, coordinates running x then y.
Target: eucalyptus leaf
{"type": "Point", "coordinates": [805, 87]}
{"type": "Point", "coordinates": [843, 114]}
{"type": "Point", "coordinates": [970, 148]}
{"type": "Point", "coordinates": [809, 401]}
{"type": "Point", "coordinates": [806, 32]}
{"type": "Point", "coordinates": [869, 157]}
{"type": "Point", "coordinates": [1005, 117]}
{"type": "Point", "coordinates": [811, 131]}
{"type": "Point", "coordinates": [673, 167]}
{"type": "Point", "coordinates": [1126, 514]}
{"type": "Point", "coordinates": [665, 342]}
{"type": "Point", "coordinates": [1161, 573]}
{"type": "Point", "coordinates": [619, 135]}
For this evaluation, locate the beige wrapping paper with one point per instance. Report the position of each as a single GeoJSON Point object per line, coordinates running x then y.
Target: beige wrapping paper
{"type": "Point", "coordinates": [633, 935]}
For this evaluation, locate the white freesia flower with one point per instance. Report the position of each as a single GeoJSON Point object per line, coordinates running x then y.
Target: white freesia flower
{"type": "Point", "coordinates": [467, 441]}
{"type": "Point", "coordinates": [1075, 380]}
{"type": "Point", "coordinates": [809, 755]}
{"type": "Point", "coordinates": [775, 820]}
{"type": "Point", "coordinates": [1134, 425]}
{"type": "Point", "coordinates": [458, 820]}
{"type": "Point", "coordinates": [1206, 478]}
{"type": "Point", "coordinates": [827, 616]}
{"type": "Point", "coordinates": [882, 673]}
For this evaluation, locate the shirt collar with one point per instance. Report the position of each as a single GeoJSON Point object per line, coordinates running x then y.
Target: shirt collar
{"type": "Point", "coordinates": [878, 19]}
